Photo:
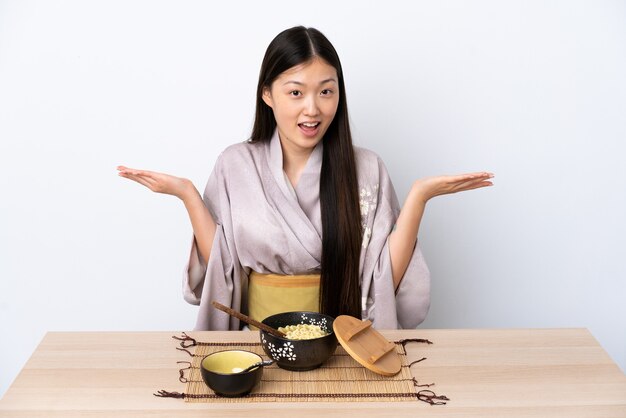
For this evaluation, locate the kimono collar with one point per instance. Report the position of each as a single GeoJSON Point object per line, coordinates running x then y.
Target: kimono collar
{"type": "Point", "coordinates": [313, 165]}
{"type": "Point", "coordinates": [302, 204]}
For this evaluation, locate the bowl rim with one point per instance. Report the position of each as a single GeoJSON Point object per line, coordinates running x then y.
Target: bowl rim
{"type": "Point", "coordinates": [331, 331]}
{"type": "Point", "coordinates": [230, 374]}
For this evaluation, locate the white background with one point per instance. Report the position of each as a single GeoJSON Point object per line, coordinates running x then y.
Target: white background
{"type": "Point", "coordinates": [534, 91]}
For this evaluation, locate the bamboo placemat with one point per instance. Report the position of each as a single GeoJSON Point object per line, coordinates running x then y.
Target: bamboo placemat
{"type": "Point", "coordinates": [341, 378]}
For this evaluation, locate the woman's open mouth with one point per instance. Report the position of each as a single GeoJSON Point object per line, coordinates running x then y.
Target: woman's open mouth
{"type": "Point", "coordinates": [309, 128]}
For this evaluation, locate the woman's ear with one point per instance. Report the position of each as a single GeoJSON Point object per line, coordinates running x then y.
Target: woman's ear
{"type": "Point", "coordinates": [267, 97]}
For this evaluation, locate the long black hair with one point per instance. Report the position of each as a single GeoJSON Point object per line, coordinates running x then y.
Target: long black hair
{"type": "Point", "coordinates": [340, 292]}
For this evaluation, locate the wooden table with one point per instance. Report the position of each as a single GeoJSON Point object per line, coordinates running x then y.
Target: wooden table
{"type": "Point", "coordinates": [485, 373]}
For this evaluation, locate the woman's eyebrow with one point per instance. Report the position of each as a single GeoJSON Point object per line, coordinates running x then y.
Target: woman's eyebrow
{"type": "Point", "coordinates": [299, 83]}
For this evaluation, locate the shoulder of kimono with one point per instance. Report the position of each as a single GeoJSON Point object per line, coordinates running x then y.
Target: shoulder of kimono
{"type": "Point", "coordinates": [240, 152]}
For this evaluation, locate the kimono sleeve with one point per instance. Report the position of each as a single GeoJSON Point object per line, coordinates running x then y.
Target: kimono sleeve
{"type": "Point", "coordinates": [387, 307]}
{"type": "Point", "coordinates": [218, 279]}
{"type": "Point", "coordinates": [193, 276]}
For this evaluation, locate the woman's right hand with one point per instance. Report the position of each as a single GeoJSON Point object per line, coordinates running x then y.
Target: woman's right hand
{"type": "Point", "coordinates": [159, 182]}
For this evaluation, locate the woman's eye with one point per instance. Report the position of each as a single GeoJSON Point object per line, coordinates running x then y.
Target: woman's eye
{"type": "Point", "coordinates": [326, 92]}
{"type": "Point", "coordinates": [295, 93]}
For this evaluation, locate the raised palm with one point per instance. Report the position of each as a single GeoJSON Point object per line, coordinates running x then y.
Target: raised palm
{"type": "Point", "coordinates": [157, 182]}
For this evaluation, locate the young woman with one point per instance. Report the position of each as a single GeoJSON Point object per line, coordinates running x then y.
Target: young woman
{"type": "Point", "coordinates": [297, 218]}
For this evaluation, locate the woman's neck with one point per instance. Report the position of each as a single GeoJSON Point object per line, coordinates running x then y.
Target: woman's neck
{"type": "Point", "coordinates": [294, 162]}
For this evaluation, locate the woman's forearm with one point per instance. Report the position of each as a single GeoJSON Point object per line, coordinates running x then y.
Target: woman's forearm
{"type": "Point", "coordinates": [201, 221]}
{"type": "Point", "coordinates": [402, 239]}
{"type": "Point", "coordinates": [404, 236]}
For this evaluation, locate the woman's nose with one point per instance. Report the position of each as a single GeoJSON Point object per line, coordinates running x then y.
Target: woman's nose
{"type": "Point", "coordinates": [311, 108]}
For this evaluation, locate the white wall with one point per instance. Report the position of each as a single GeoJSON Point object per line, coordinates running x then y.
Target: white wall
{"type": "Point", "coordinates": [531, 90]}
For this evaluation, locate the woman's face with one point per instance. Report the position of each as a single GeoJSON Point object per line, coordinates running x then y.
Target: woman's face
{"type": "Point", "coordinates": [304, 100]}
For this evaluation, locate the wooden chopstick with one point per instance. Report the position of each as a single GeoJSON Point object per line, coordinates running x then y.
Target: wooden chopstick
{"type": "Point", "coordinates": [248, 320]}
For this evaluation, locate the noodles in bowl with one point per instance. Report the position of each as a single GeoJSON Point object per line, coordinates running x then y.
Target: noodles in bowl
{"type": "Point", "coordinates": [302, 331]}
{"type": "Point", "coordinates": [313, 343]}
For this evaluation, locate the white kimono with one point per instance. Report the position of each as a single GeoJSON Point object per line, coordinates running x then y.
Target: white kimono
{"type": "Point", "coordinates": [265, 225]}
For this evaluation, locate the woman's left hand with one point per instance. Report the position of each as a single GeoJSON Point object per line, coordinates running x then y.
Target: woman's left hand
{"type": "Point", "coordinates": [429, 187]}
